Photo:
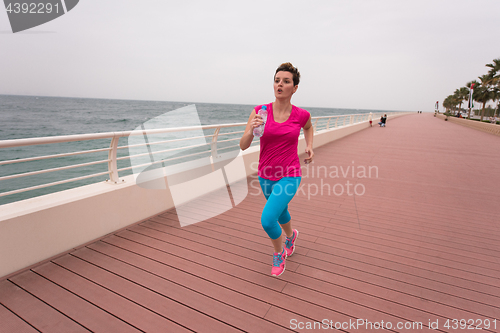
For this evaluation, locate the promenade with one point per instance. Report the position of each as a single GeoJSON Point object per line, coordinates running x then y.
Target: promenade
{"type": "Point", "coordinates": [418, 242]}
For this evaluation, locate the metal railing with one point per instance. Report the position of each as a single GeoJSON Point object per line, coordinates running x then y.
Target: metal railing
{"type": "Point", "coordinates": [211, 150]}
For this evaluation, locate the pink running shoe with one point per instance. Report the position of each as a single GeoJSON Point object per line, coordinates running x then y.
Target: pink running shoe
{"type": "Point", "coordinates": [278, 263]}
{"type": "Point", "coordinates": [290, 243]}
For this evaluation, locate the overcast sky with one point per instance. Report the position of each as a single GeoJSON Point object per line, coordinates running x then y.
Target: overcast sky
{"type": "Point", "coordinates": [389, 54]}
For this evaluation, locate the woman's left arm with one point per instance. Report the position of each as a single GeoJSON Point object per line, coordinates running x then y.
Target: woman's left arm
{"type": "Point", "coordinates": [308, 134]}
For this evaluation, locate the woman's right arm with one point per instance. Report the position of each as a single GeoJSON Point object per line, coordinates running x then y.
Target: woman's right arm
{"type": "Point", "coordinates": [253, 121]}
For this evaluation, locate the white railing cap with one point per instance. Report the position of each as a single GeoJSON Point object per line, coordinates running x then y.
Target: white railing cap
{"type": "Point", "coordinates": [108, 135]}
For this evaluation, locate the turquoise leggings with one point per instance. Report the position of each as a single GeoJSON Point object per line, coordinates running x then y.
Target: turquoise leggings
{"type": "Point", "coordinates": [278, 194]}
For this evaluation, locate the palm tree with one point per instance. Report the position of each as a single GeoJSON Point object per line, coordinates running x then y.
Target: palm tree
{"type": "Point", "coordinates": [496, 97]}
{"type": "Point", "coordinates": [463, 95]}
{"type": "Point", "coordinates": [456, 98]}
{"type": "Point", "coordinates": [451, 103]}
{"type": "Point", "coordinates": [484, 93]}
{"type": "Point", "coordinates": [456, 101]}
{"type": "Point", "coordinates": [494, 73]}
{"type": "Point", "coordinates": [448, 103]}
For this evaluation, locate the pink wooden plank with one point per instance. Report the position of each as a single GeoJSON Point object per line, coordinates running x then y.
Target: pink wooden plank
{"type": "Point", "coordinates": [390, 273]}
{"type": "Point", "coordinates": [181, 278]}
{"type": "Point", "coordinates": [228, 268]}
{"type": "Point", "coordinates": [420, 246]}
{"type": "Point", "coordinates": [465, 221]}
{"type": "Point", "coordinates": [35, 312]}
{"type": "Point", "coordinates": [325, 245]}
{"type": "Point", "coordinates": [166, 291]}
{"type": "Point", "coordinates": [389, 282]}
{"type": "Point", "coordinates": [400, 273]}
{"type": "Point", "coordinates": [379, 236]}
{"type": "Point", "coordinates": [454, 235]}
{"type": "Point", "coordinates": [211, 247]}
{"type": "Point", "coordinates": [471, 278]}
{"type": "Point", "coordinates": [352, 307]}
{"type": "Point", "coordinates": [290, 304]}
{"type": "Point", "coordinates": [12, 323]}
{"type": "Point", "coordinates": [107, 300]}
{"type": "Point", "coordinates": [81, 311]}
{"type": "Point", "coordinates": [256, 252]}
{"type": "Point", "coordinates": [482, 249]}
{"type": "Point", "coordinates": [142, 256]}
{"type": "Point", "coordinates": [367, 260]}
{"type": "Point", "coordinates": [423, 289]}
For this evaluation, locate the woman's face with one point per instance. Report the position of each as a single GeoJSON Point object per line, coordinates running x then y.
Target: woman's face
{"type": "Point", "coordinates": [283, 85]}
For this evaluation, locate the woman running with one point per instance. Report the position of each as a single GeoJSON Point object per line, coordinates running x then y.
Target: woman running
{"type": "Point", "coordinates": [279, 166]}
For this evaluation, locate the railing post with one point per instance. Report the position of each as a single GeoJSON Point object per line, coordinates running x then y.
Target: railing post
{"type": "Point", "coordinates": [328, 123]}
{"type": "Point", "coordinates": [336, 121]}
{"type": "Point", "coordinates": [112, 165]}
{"type": "Point", "coordinates": [213, 148]}
{"type": "Point", "coordinates": [351, 119]}
{"type": "Point", "coordinates": [315, 125]}
{"type": "Point", "coordinates": [213, 145]}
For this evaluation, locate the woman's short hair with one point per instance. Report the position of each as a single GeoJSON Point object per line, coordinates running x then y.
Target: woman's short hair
{"type": "Point", "coordinates": [288, 67]}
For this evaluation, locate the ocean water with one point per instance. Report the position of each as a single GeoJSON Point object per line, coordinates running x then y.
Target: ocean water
{"type": "Point", "coordinates": [38, 116]}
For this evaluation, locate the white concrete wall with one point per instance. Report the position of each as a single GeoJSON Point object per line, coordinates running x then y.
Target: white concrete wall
{"type": "Point", "coordinates": [36, 229]}
{"type": "Point", "coordinates": [480, 126]}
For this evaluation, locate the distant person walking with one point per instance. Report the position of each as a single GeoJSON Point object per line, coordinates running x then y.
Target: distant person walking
{"type": "Point", "coordinates": [279, 166]}
{"type": "Point", "coordinates": [370, 118]}
{"type": "Point", "coordinates": [383, 120]}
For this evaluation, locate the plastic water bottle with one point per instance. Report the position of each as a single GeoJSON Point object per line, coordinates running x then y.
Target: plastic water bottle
{"type": "Point", "coordinates": [259, 131]}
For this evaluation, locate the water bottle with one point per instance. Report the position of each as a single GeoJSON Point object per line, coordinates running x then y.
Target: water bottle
{"type": "Point", "coordinates": [259, 131]}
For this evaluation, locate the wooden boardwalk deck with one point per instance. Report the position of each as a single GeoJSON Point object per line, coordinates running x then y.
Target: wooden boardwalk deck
{"type": "Point", "coordinates": [421, 244]}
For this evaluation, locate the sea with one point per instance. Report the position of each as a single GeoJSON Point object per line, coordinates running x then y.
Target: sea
{"type": "Point", "coordinates": [40, 116]}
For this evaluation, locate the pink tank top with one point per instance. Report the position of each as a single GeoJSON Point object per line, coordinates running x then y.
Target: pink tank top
{"type": "Point", "coordinates": [278, 146]}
